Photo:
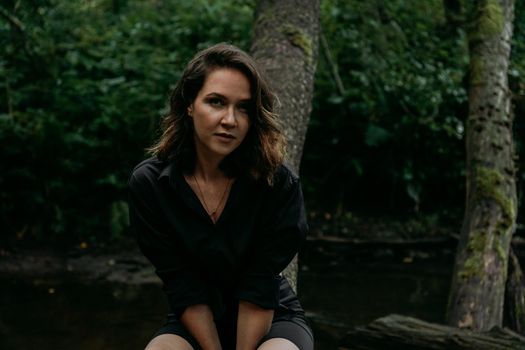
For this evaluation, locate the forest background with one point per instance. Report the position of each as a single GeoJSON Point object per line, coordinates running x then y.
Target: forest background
{"type": "Point", "coordinates": [84, 84]}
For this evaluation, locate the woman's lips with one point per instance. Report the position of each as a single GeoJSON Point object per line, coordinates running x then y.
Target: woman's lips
{"type": "Point", "coordinates": [225, 136]}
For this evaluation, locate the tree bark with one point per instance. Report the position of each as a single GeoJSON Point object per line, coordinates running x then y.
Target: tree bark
{"type": "Point", "coordinates": [407, 333]}
{"type": "Point", "coordinates": [285, 44]}
{"type": "Point", "coordinates": [515, 295]}
{"type": "Point", "coordinates": [478, 285]}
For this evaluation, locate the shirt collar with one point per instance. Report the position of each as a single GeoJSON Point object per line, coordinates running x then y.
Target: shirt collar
{"type": "Point", "coordinates": [170, 173]}
{"type": "Point", "coordinates": [175, 176]}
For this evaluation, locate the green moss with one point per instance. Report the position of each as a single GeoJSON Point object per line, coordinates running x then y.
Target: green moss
{"type": "Point", "coordinates": [499, 249]}
{"type": "Point", "coordinates": [299, 38]}
{"type": "Point", "coordinates": [489, 20]}
{"type": "Point", "coordinates": [477, 70]}
{"type": "Point", "coordinates": [475, 248]}
{"type": "Point", "coordinates": [488, 185]}
{"type": "Point", "coordinates": [266, 16]}
{"type": "Point", "coordinates": [267, 13]}
{"type": "Point", "coordinates": [473, 266]}
{"type": "Point", "coordinates": [477, 241]}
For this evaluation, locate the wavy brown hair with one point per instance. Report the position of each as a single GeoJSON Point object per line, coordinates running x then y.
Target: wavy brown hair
{"type": "Point", "coordinates": [262, 150]}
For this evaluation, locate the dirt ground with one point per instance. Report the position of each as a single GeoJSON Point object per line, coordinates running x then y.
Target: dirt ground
{"type": "Point", "coordinates": [122, 267]}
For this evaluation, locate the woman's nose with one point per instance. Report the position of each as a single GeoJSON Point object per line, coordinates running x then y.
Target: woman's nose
{"type": "Point", "coordinates": [229, 118]}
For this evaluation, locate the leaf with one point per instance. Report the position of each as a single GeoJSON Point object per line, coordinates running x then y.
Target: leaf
{"type": "Point", "coordinates": [413, 192]}
{"type": "Point", "coordinates": [376, 135]}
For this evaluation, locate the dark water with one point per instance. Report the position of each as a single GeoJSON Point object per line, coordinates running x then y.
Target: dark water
{"type": "Point", "coordinates": [337, 301]}
{"type": "Point", "coordinates": [65, 314]}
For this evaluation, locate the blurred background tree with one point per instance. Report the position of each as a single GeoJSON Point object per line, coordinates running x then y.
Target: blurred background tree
{"type": "Point", "coordinates": [83, 84]}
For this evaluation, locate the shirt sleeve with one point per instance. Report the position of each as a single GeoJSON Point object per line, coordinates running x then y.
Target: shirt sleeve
{"type": "Point", "coordinates": [183, 285]}
{"type": "Point", "coordinates": [279, 238]}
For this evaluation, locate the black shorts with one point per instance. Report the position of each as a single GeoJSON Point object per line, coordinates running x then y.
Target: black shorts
{"type": "Point", "coordinates": [295, 329]}
{"type": "Point", "coordinates": [289, 322]}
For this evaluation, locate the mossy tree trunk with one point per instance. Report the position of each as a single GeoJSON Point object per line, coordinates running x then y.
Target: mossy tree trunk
{"type": "Point", "coordinates": [285, 44]}
{"type": "Point", "coordinates": [515, 296]}
{"type": "Point", "coordinates": [478, 286]}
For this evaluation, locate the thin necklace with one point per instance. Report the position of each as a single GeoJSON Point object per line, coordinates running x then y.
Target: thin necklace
{"type": "Point", "coordinates": [214, 212]}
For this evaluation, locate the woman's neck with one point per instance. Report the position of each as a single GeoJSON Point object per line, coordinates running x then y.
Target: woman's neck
{"type": "Point", "coordinates": [208, 169]}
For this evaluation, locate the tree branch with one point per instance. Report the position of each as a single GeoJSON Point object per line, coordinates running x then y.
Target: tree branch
{"type": "Point", "coordinates": [20, 27]}
{"type": "Point", "coordinates": [333, 65]}
{"type": "Point", "coordinates": [15, 22]}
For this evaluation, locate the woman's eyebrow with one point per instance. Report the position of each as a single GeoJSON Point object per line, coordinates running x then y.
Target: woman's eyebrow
{"type": "Point", "coordinates": [216, 94]}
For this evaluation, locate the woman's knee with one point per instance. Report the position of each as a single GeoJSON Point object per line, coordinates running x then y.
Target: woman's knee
{"type": "Point", "coordinates": [277, 344]}
{"type": "Point", "coordinates": [169, 342]}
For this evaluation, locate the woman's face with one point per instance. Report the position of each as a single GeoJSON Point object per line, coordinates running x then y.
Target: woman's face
{"type": "Point", "coordinates": [220, 113]}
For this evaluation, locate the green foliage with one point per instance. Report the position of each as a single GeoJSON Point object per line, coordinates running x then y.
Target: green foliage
{"type": "Point", "coordinates": [401, 118]}
{"type": "Point", "coordinates": [83, 83]}
{"type": "Point", "coordinates": [394, 141]}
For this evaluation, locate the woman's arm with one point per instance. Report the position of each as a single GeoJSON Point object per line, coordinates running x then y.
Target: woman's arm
{"type": "Point", "coordinates": [253, 322]}
{"type": "Point", "coordinates": [283, 229]}
{"type": "Point", "coordinates": [188, 294]}
{"type": "Point", "coordinates": [198, 320]}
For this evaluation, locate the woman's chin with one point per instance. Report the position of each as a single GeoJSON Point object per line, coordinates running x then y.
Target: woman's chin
{"type": "Point", "coordinates": [225, 149]}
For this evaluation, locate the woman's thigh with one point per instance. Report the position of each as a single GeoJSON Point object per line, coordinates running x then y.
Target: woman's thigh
{"type": "Point", "coordinates": [168, 342]}
{"type": "Point", "coordinates": [288, 335]}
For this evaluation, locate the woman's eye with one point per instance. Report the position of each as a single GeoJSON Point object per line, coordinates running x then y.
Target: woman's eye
{"type": "Point", "coordinates": [245, 108]}
{"type": "Point", "coordinates": [215, 102]}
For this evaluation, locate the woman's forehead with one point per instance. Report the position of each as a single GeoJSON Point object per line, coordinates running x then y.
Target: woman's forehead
{"type": "Point", "coordinates": [228, 82]}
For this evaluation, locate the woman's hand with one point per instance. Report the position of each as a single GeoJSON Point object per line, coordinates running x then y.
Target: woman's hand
{"type": "Point", "coordinates": [253, 322]}
{"type": "Point", "coordinates": [198, 320]}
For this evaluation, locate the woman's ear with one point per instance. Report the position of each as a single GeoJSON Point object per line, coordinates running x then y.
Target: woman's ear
{"type": "Point", "coordinates": [190, 110]}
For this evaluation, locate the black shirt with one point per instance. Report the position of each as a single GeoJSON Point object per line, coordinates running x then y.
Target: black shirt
{"type": "Point", "coordinates": [240, 256]}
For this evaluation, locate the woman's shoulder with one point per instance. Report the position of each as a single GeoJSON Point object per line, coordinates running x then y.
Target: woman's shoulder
{"type": "Point", "coordinates": [284, 178]}
{"type": "Point", "coordinates": [147, 171]}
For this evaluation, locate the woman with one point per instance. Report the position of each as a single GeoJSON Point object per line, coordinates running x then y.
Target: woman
{"type": "Point", "coordinates": [219, 215]}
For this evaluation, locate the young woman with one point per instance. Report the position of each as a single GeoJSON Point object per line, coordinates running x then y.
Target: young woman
{"type": "Point", "coordinates": [219, 215]}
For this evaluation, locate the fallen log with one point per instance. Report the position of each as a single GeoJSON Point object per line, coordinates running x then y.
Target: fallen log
{"type": "Point", "coordinates": [434, 242]}
{"type": "Point", "coordinates": [401, 332]}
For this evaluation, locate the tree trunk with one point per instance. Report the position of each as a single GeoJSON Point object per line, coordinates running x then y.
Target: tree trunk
{"type": "Point", "coordinates": [515, 295]}
{"type": "Point", "coordinates": [407, 333]}
{"type": "Point", "coordinates": [285, 44]}
{"type": "Point", "coordinates": [478, 285]}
